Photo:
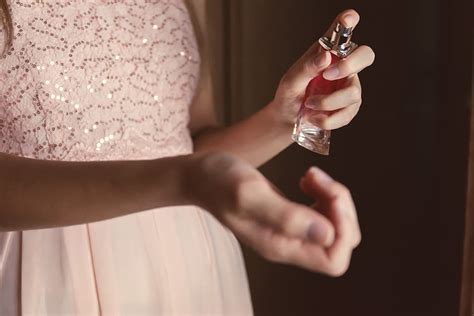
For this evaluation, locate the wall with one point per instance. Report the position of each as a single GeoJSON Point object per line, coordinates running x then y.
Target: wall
{"type": "Point", "coordinates": [404, 157]}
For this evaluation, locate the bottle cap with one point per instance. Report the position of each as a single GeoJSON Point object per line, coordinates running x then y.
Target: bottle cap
{"type": "Point", "coordinates": [340, 42]}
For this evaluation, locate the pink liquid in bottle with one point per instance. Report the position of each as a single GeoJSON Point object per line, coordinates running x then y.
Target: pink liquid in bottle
{"type": "Point", "coordinates": [306, 132]}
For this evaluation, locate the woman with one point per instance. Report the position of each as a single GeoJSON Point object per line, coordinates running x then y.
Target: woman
{"type": "Point", "coordinates": [103, 105]}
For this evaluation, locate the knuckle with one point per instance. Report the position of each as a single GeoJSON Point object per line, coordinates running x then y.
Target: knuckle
{"type": "Point", "coordinates": [337, 270]}
{"type": "Point", "coordinates": [357, 239]}
{"type": "Point", "coordinates": [339, 266]}
{"type": "Point", "coordinates": [284, 219]}
{"type": "Point", "coordinates": [371, 54]}
{"type": "Point", "coordinates": [340, 203]}
{"type": "Point", "coordinates": [355, 93]}
{"type": "Point", "coordinates": [242, 189]}
{"type": "Point", "coordinates": [350, 117]}
{"type": "Point", "coordinates": [346, 67]}
{"type": "Point", "coordinates": [312, 63]}
{"type": "Point", "coordinates": [340, 190]}
{"type": "Point", "coordinates": [344, 190]}
{"type": "Point", "coordinates": [324, 103]}
{"type": "Point", "coordinates": [268, 253]}
{"type": "Point", "coordinates": [277, 250]}
{"type": "Point", "coordinates": [345, 120]}
{"type": "Point", "coordinates": [287, 85]}
{"type": "Point", "coordinates": [309, 66]}
{"type": "Point", "coordinates": [287, 220]}
{"type": "Point", "coordinates": [237, 196]}
{"type": "Point", "coordinates": [356, 110]}
{"type": "Point", "coordinates": [285, 82]}
{"type": "Point", "coordinates": [324, 123]}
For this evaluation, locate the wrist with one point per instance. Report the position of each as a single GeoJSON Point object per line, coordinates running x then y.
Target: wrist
{"type": "Point", "coordinates": [167, 180]}
{"type": "Point", "coordinates": [278, 120]}
{"type": "Point", "coordinates": [194, 178]}
{"type": "Point", "coordinates": [206, 184]}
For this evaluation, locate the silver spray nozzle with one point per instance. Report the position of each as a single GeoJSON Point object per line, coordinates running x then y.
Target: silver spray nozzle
{"type": "Point", "coordinates": [340, 41]}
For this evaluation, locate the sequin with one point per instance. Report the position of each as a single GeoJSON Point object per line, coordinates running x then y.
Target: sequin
{"type": "Point", "coordinates": [83, 77]}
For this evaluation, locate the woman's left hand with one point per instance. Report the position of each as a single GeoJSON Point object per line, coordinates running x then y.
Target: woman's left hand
{"type": "Point", "coordinates": [338, 108]}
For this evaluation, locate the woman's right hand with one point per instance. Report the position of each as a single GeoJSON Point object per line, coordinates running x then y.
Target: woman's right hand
{"type": "Point", "coordinates": [319, 239]}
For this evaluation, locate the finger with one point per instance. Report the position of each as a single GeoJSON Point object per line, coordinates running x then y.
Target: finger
{"type": "Point", "coordinates": [298, 221]}
{"type": "Point", "coordinates": [277, 247]}
{"type": "Point", "coordinates": [340, 252]}
{"type": "Point", "coordinates": [337, 202]}
{"type": "Point", "coordinates": [360, 59]}
{"type": "Point", "coordinates": [311, 64]}
{"type": "Point", "coordinates": [319, 185]}
{"type": "Point", "coordinates": [347, 237]}
{"type": "Point", "coordinates": [333, 120]}
{"type": "Point", "coordinates": [292, 219]}
{"type": "Point", "coordinates": [276, 189]}
{"type": "Point", "coordinates": [339, 99]}
{"type": "Point", "coordinates": [265, 205]}
{"type": "Point", "coordinates": [315, 59]}
{"type": "Point", "coordinates": [348, 18]}
{"type": "Point", "coordinates": [304, 254]}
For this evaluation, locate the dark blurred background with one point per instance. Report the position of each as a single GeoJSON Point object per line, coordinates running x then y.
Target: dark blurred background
{"type": "Point", "coordinates": [404, 157]}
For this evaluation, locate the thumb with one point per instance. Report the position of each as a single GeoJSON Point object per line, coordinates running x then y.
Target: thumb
{"type": "Point", "coordinates": [311, 64]}
{"type": "Point", "coordinates": [295, 220]}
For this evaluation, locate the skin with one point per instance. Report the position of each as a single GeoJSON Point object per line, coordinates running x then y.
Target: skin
{"type": "Point", "coordinates": [266, 133]}
{"type": "Point", "coordinates": [38, 194]}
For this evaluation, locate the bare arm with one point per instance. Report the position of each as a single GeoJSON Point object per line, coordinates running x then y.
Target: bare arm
{"type": "Point", "coordinates": [40, 193]}
{"type": "Point", "coordinates": [256, 139]}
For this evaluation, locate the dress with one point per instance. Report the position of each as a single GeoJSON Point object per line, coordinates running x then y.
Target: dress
{"type": "Point", "coordinates": [110, 80]}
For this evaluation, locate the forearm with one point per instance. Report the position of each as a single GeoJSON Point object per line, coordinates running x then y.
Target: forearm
{"type": "Point", "coordinates": [40, 193]}
{"type": "Point", "coordinates": [256, 139]}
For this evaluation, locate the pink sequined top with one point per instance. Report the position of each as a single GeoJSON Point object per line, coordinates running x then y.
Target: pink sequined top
{"type": "Point", "coordinates": [97, 80]}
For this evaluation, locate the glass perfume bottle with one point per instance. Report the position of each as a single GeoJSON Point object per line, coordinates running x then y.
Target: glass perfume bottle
{"type": "Point", "coordinates": [305, 133]}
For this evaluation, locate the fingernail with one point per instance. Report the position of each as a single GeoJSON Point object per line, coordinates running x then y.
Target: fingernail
{"type": "Point", "coordinates": [317, 233]}
{"type": "Point", "coordinates": [331, 73]}
{"type": "Point", "coordinates": [349, 20]}
{"type": "Point", "coordinates": [311, 103]}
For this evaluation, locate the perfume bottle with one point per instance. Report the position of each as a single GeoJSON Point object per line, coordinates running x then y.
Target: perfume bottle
{"type": "Point", "coordinates": [305, 133]}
